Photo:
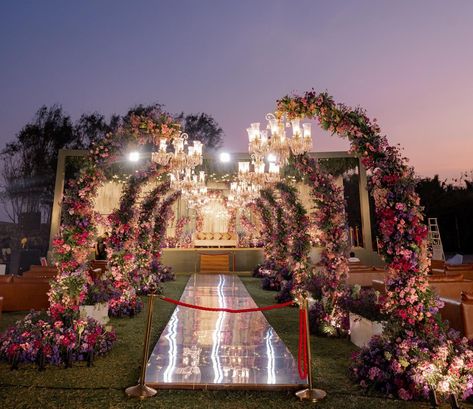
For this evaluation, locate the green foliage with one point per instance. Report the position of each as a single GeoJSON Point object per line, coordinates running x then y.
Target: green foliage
{"type": "Point", "coordinates": [202, 127]}
{"type": "Point", "coordinates": [452, 205]}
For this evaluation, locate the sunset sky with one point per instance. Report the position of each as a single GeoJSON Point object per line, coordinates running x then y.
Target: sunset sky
{"type": "Point", "coordinates": [408, 62]}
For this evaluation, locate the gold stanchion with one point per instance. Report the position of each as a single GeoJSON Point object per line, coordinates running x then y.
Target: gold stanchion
{"type": "Point", "coordinates": [310, 394]}
{"type": "Point", "coordinates": [141, 391]}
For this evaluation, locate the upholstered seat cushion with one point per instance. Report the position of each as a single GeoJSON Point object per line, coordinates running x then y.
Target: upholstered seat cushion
{"type": "Point", "coordinates": [445, 278]}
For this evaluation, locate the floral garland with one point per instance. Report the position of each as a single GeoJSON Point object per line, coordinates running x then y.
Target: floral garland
{"type": "Point", "coordinates": [299, 239]}
{"type": "Point", "coordinates": [178, 238]}
{"type": "Point", "coordinates": [275, 270]}
{"type": "Point", "coordinates": [248, 237]}
{"type": "Point", "coordinates": [232, 218]}
{"type": "Point", "coordinates": [121, 243]}
{"type": "Point", "coordinates": [411, 306]}
{"type": "Point", "coordinates": [330, 220]}
{"type": "Point", "coordinates": [142, 247]}
{"type": "Point", "coordinates": [280, 235]}
{"type": "Point", "coordinates": [159, 237]}
{"type": "Point", "coordinates": [266, 228]}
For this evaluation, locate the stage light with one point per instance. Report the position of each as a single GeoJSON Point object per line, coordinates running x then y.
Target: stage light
{"type": "Point", "coordinates": [225, 157]}
{"type": "Point", "coordinates": [272, 158]}
{"type": "Point", "coordinates": [134, 156]}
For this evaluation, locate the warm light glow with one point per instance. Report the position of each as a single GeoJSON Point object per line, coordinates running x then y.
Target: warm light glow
{"type": "Point", "coordinates": [272, 158]}
{"type": "Point", "coordinates": [243, 167]}
{"type": "Point", "coordinates": [273, 168]}
{"type": "Point", "coordinates": [225, 157]}
{"type": "Point", "coordinates": [134, 156]}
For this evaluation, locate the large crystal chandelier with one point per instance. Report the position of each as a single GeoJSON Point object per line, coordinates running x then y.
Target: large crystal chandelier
{"type": "Point", "coordinates": [192, 187]}
{"type": "Point", "coordinates": [187, 181]}
{"type": "Point", "coordinates": [242, 193]}
{"type": "Point", "coordinates": [258, 176]}
{"type": "Point", "coordinates": [278, 144]}
{"type": "Point", "coordinates": [179, 160]}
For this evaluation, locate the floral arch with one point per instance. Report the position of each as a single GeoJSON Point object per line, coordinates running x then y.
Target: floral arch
{"type": "Point", "coordinates": [400, 362]}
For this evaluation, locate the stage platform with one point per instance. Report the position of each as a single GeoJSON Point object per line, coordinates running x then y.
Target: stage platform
{"type": "Point", "coordinates": [219, 350]}
{"type": "Point", "coordinates": [187, 260]}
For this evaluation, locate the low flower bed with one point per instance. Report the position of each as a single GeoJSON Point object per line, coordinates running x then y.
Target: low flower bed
{"type": "Point", "coordinates": [40, 338]}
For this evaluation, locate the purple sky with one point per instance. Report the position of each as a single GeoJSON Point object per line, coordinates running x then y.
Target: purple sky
{"type": "Point", "coordinates": [409, 63]}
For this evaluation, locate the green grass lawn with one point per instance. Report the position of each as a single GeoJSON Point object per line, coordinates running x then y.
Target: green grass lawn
{"type": "Point", "coordinates": [102, 386]}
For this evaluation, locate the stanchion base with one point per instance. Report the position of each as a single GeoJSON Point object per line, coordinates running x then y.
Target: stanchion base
{"type": "Point", "coordinates": [140, 391]}
{"type": "Point", "coordinates": [313, 395]}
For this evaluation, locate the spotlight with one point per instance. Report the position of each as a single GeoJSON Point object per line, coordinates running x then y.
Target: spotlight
{"type": "Point", "coordinates": [271, 158]}
{"type": "Point", "coordinates": [225, 157]}
{"type": "Point", "coordinates": [134, 156]}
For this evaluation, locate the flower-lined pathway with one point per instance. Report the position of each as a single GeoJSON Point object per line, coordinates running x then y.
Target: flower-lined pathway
{"type": "Point", "coordinates": [220, 350]}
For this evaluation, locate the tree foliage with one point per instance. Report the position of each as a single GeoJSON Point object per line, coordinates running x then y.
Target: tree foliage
{"type": "Point", "coordinates": [452, 205]}
{"type": "Point", "coordinates": [202, 127]}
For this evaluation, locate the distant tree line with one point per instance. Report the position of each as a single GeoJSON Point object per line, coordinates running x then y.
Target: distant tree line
{"type": "Point", "coordinates": [28, 169]}
{"type": "Point", "coordinates": [452, 205]}
{"type": "Point", "coordinates": [29, 161]}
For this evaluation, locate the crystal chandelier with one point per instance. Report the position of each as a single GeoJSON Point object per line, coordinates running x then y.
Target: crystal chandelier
{"type": "Point", "coordinates": [259, 176]}
{"type": "Point", "coordinates": [179, 160]}
{"type": "Point", "coordinates": [242, 193]}
{"type": "Point", "coordinates": [278, 144]}
{"type": "Point", "coordinates": [192, 187]}
{"type": "Point", "coordinates": [187, 181]}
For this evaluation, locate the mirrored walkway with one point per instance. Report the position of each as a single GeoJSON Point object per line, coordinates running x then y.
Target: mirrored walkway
{"type": "Point", "coordinates": [219, 350]}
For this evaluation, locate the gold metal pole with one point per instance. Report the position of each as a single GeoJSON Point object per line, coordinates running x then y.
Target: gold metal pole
{"type": "Point", "coordinates": [311, 394]}
{"type": "Point", "coordinates": [141, 391]}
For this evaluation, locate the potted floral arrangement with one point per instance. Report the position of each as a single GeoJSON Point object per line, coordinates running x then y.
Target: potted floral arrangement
{"type": "Point", "coordinates": [95, 303]}
{"type": "Point", "coordinates": [365, 315]}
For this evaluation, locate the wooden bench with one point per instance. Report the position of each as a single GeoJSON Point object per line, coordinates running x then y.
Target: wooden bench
{"type": "Point", "coordinates": [215, 263]}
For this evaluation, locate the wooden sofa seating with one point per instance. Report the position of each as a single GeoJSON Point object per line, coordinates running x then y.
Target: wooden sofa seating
{"type": "Point", "coordinates": [467, 274]}
{"type": "Point", "coordinates": [458, 267]}
{"type": "Point", "coordinates": [459, 314]}
{"type": "Point", "coordinates": [1, 307]}
{"type": "Point", "coordinates": [203, 239]}
{"type": "Point", "coordinates": [41, 271]}
{"type": "Point", "coordinates": [24, 293]}
{"type": "Point", "coordinates": [450, 286]}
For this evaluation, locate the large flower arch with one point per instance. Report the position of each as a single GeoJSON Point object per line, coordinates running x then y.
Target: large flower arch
{"type": "Point", "coordinates": [78, 232]}
{"type": "Point", "coordinates": [63, 336]}
{"type": "Point", "coordinates": [398, 214]}
{"type": "Point", "coordinates": [413, 326]}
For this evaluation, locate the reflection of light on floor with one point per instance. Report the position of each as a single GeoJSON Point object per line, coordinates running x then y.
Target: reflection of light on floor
{"type": "Point", "coordinates": [271, 358]}
{"type": "Point", "coordinates": [217, 367]}
{"type": "Point", "coordinates": [172, 352]}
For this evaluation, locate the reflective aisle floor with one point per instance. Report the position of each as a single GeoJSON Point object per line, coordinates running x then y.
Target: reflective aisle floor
{"type": "Point", "coordinates": [219, 350]}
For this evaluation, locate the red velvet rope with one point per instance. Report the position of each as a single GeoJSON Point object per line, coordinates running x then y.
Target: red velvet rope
{"type": "Point", "coordinates": [302, 364]}
{"type": "Point", "coordinates": [230, 310]}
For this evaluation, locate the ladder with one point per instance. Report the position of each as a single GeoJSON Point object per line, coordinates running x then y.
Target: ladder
{"type": "Point", "coordinates": [435, 240]}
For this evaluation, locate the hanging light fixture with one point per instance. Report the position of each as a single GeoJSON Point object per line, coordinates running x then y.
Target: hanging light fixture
{"type": "Point", "coordinates": [278, 145]}
{"type": "Point", "coordinates": [179, 159]}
